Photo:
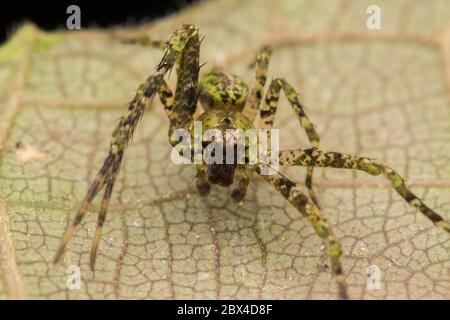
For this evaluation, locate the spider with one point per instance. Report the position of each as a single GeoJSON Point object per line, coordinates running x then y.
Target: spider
{"type": "Point", "coordinates": [228, 103]}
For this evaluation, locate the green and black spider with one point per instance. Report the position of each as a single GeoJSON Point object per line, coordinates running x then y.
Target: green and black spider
{"type": "Point", "coordinates": [228, 104]}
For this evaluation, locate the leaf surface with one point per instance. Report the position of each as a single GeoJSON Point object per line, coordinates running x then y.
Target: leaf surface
{"type": "Point", "coordinates": [381, 93]}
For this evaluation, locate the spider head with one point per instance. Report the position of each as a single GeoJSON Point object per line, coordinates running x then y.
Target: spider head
{"type": "Point", "coordinates": [217, 145]}
{"type": "Point", "coordinates": [224, 144]}
{"type": "Point", "coordinates": [220, 89]}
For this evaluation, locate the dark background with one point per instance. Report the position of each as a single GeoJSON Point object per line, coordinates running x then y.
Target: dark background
{"type": "Point", "coordinates": [49, 15]}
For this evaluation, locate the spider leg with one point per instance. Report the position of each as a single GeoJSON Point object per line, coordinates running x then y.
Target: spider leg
{"type": "Point", "coordinates": [250, 110]}
{"type": "Point", "coordinates": [254, 99]}
{"type": "Point", "coordinates": [166, 97]}
{"type": "Point", "coordinates": [267, 117]}
{"type": "Point", "coordinates": [177, 45]}
{"type": "Point", "coordinates": [238, 193]}
{"type": "Point", "coordinates": [142, 40]}
{"type": "Point", "coordinates": [318, 158]}
{"type": "Point", "coordinates": [201, 183]}
{"type": "Point", "coordinates": [186, 93]}
{"type": "Point", "coordinates": [179, 111]}
{"type": "Point", "coordinates": [310, 211]}
{"type": "Point", "coordinates": [104, 209]}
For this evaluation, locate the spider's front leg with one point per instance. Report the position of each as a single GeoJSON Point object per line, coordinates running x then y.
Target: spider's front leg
{"type": "Point", "coordinates": [318, 158]}
{"type": "Point", "coordinates": [186, 93]}
{"type": "Point", "coordinates": [180, 46]}
{"type": "Point", "coordinates": [308, 209]}
{"type": "Point", "coordinates": [254, 99]}
{"type": "Point", "coordinates": [267, 117]}
{"type": "Point", "coordinates": [201, 183]}
{"type": "Point", "coordinates": [250, 110]}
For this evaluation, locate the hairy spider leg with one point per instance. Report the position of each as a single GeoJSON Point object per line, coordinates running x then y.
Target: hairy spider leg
{"type": "Point", "coordinates": [164, 92]}
{"type": "Point", "coordinates": [201, 183]}
{"type": "Point", "coordinates": [250, 110]}
{"type": "Point", "coordinates": [267, 115]}
{"type": "Point", "coordinates": [166, 97]}
{"type": "Point", "coordinates": [186, 92]}
{"type": "Point", "coordinates": [254, 99]}
{"type": "Point", "coordinates": [310, 211]}
{"type": "Point", "coordinates": [110, 179]}
{"type": "Point", "coordinates": [238, 193]}
{"type": "Point", "coordinates": [142, 40]}
{"type": "Point", "coordinates": [179, 47]}
{"type": "Point", "coordinates": [318, 158]}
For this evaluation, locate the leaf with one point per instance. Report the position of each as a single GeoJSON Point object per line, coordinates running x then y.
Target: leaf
{"type": "Point", "coordinates": [382, 93]}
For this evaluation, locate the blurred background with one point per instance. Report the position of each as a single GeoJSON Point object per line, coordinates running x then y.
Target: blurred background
{"type": "Point", "coordinates": [49, 15]}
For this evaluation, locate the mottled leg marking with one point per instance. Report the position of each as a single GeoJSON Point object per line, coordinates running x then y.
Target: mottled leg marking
{"type": "Point", "coordinates": [254, 99]}
{"type": "Point", "coordinates": [104, 208]}
{"type": "Point", "coordinates": [267, 117]}
{"type": "Point", "coordinates": [318, 158]}
{"type": "Point", "coordinates": [142, 40]}
{"type": "Point", "coordinates": [166, 98]}
{"type": "Point", "coordinates": [238, 194]}
{"type": "Point", "coordinates": [309, 210]}
{"type": "Point", "coordinates": [123, 133]}
{"type": "Point", "coordinates": [202, 185]}
{"type": "Point", "coordinates": [94, 188]}
{"type": "Point", "coordinates": [308, 184]}
{"type": "Point", "coordinates": [185, 103]}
